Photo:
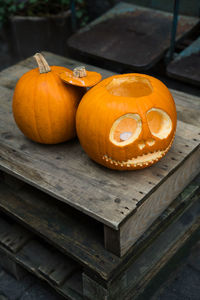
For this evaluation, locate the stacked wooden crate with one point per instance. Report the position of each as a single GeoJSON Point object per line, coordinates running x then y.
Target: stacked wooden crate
{"type": "Point", "coordinates": [95, 219]}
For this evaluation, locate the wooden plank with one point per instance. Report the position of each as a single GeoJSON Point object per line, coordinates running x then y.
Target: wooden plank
{"type": "Point", "coordinates": [157, 202]}
{"type": "Point", "coordinates": [108, 196]}
{"type": "Point", "coordinates": [12, 182]}
{"type": "Point", "coordinates": [138, 274]}
{"type": "Point", "coordinates": [57, 270]}
{"type": "Point", "coordinates": [67, 230]}
{"type": "Point", "coordinates": [188, 107]}
{"type": "Point", "coordinates": [13, 237]}
{"type": "Point", "coordinates": [76, 236]}
{"type": "Point", "coordinates": [91, 189]}
{"type": "Point", "coordinates": [9, 240]}
{"type": "Point", "coordinates": [180, 237]}
{"type": "Point", "coordinates": [11, 75]}
{"type": "Point", "coordinates": [33, 165]}
{"type": "Point", "coordinates": [36, 257]}
{"type": "Point", "coordinates": [129, 36]}
{"type": "Point", "coordinates": [36, 253]}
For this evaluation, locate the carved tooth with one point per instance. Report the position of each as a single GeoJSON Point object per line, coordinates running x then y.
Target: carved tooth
{"type": "Point", "coordinates": [111, 162]}
{"type": "Point", "coordinates": [107, 159]}
{"type": "Point", "coordinates": [128, 165]}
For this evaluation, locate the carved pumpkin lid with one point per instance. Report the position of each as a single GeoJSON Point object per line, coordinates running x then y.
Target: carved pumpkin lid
{"type": "Point", "coordinates": [81, 77]}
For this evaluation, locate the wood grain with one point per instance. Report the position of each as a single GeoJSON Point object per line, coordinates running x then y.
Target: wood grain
{"type": "Point", "coordinates": [69, 231]}
{"type": "Point", "coordinates": [65, 172]}
{"type": "Point", "coordinates": [139, 273]}
{"type": "Point", "coordinates": [106, 195]}
{"type": "Point", "coordinates": [158, 201]}
{"type": "Point", "coordinates": [38, 258]}
{"type": "Point", "coordinates": [80, 237]}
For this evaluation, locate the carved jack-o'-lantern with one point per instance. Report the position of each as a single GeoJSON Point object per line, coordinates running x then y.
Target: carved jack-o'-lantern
{"type": "Point", "coordinates": [127, 121]}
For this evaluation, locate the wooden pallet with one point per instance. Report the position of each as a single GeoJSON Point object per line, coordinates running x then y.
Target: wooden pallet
{"type": "Point", "coordinates": [24, 249]}
{"type": "Point", "coordinates": [129, 36]}
{"type": "Point", "coordinates": [71, 274]}
{"type": "Point", "coordinates": [66, 173]}
{"type": "Point", "coordinates": [61, 215]}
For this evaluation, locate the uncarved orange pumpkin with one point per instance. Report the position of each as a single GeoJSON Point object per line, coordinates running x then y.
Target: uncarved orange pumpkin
{"type": "Point", "coordinates": [44, 107]}
{"type": "Point", "coordinates": [127, 121]}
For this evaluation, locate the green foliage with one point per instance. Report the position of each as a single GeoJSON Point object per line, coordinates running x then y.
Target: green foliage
{"type": "Point", "coordinates": [8, 8]}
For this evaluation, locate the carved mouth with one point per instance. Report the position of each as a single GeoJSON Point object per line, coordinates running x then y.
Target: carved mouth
{"type": "Point", "coordinates": [139, 161]}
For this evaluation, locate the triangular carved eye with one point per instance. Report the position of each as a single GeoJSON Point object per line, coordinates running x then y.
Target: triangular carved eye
{"type": "Point", "coordinates": [126, 129]}
{"type": "Point", "coordinates": [159, 123]}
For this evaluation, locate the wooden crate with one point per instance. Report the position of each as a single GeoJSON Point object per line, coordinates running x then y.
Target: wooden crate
{"type": "Point", "coordinates": [24, 251]}
{"type": "Point", "coordinates": [73, 225]}
{"type": "Point", "coordinates": [79, 266]}
{"type": "Point", "coordinates": [126, 203]}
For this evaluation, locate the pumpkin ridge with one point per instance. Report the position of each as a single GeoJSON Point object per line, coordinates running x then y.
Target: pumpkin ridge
{"type": "Point", "coordinates": [34, 99]}
{"type": "Point", "coordinates": [164, 99]}
{"type": "Point", "coordinates": [26, 91]}
{"type": "Point", "coordinates": [48, 100]}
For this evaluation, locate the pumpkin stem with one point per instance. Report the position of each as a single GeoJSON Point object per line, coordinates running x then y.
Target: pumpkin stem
{"type": "Point", "coordinates": [79, 72]}
{"type": "Point", "coordinates": [42, 63]}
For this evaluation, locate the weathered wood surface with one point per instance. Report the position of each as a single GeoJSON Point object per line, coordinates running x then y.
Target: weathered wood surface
{"type": "Point", "coordinates": [188, 107]}
{"type": "Point", "coordinates": [157, 202]}
{"type": "Point", "coordinates": [186, 65]}
{"type": "Point", "coordinates": [66, 172]}
{"type": "Point", "coordinates": [60, 272]}
{"type": "Point", "coordinates": [12, 237]}
{"type": "Point", "coordinates": [129, 36]}
{"type": "Point", "coordinates": [137, 275]}
{"type": "Point", "coordinates": [66, 229]}
{"type": "Point", "coordinates": [65, 276]}
{"type": "Point", "coordinates": [78, 236]}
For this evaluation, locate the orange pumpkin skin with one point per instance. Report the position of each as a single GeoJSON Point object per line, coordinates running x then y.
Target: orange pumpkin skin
{"type": "Point", "coordinates": [80, 77]}
{"type": "Point", "coordinates": [127, 121]}
{"type": "Point", "coordinates": [44, 107]}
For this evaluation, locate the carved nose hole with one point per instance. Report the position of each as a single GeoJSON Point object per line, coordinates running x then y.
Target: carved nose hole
{"type": "Point", "coordinates": [141, 145]}
{"type": "Point", "coordinates": [150, 142]}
